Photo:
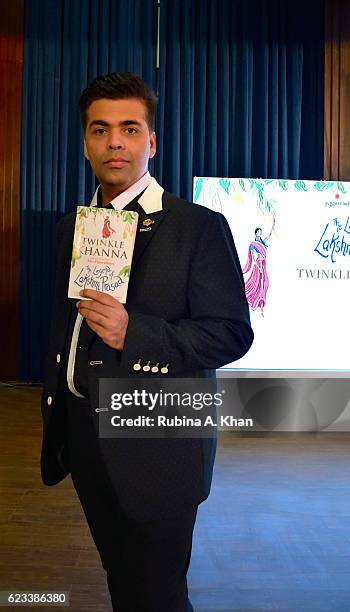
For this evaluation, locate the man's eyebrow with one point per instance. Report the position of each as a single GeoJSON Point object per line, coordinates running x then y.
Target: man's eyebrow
{"type": "Point", "coordinates": [130, 122]}
{"type": "Point", "coordinates": [98, 122]}
{"type": "Point", "coordinates": [106, 124]}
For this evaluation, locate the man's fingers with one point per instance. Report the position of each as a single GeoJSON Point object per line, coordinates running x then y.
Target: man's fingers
{"type": "Point", "coordinates": [98, 296]}
{"type": "Point", "coordinates": [98, 329]}
{"type": "Point", "coordinates": [115, 342]}
{"type": "Point", "coordinates": [94, 317]}
{"type": "Point", "coordinates": [87, 306]}
{"type": "Point", "coordinates": [105, 315]}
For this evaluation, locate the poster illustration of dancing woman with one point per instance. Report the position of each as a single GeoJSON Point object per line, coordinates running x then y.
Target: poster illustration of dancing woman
{"type": "Point", "coordinates": [255, 275]}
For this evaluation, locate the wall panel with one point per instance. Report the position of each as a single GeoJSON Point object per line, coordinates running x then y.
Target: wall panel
{"type": "Point", "coordinates": [11, 60]}
{"type": "Point", "coordinates": [337, 91]}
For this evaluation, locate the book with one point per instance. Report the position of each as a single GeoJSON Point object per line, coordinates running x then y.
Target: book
{"type": "Point", "coordinates": [103, 247]}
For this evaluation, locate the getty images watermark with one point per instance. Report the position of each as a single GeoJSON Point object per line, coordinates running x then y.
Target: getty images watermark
{"type": "Point", "coordinates": [142, 407]}
{"type": "Point", "coordinates": [158, 408]}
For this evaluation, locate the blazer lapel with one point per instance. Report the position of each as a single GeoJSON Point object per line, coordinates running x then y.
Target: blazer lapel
{"type": "Point", "coordinates": [146, 228]}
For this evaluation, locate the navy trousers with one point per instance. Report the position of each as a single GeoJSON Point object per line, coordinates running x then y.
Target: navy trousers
{"type": "Point", "coordinates": [146, 562]}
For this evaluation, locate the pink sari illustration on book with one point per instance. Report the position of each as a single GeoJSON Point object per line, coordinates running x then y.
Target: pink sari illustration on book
{"type": "Point", "coordinates": [107, 230]}
{"type": "Point", "coordinates": [256, 280]}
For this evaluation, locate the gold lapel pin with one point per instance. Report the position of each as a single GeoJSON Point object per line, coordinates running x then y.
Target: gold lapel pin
{"type": "Point", "coordinates": [147, 222]}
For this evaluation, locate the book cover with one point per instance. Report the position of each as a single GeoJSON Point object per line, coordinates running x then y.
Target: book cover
{"type": "Point", "coordinates": [102, 252]}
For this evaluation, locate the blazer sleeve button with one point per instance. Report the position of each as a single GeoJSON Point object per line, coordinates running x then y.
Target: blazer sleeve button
{"type": "Point", "coordinates": [49, 400]}
{"type": "Point", "coordinates": [137, 366]}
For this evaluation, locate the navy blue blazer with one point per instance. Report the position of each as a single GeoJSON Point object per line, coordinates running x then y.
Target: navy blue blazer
{"type": "Point", "coordinates": [187, 311]}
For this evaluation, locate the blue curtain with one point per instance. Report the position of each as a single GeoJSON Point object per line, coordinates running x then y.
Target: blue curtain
{"type": "Point", "coordinates": [240, 94]}
{"type": "Point", "coordinates": [67, 44]}
{"type": "Point", "coordinates": [242, 85]}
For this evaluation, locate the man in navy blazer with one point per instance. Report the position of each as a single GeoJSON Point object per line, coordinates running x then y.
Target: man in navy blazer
{"type": "Point", "coordinates": [185, 315]}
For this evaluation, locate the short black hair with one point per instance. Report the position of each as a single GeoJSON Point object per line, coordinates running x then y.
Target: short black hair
{"type": "Point", "coordinates": [257, 229]}
{"type": "Point", "coordinates": [118, 86]}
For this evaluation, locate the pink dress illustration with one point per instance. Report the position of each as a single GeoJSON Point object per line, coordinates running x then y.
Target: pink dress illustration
{"type": "Point", "coordinates": [107, 230]}
{"type": "Point", "coordinates": [256, 280]}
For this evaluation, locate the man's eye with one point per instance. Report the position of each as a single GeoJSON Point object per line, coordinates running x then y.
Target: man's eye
{"type": "Point", "coordinates": [100, 131]}
{"type": "Point", "coordinates": [130, 130]}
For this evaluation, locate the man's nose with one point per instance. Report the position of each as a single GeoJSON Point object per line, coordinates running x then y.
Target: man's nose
{"type": "Point", "coordinates": [115, 145]}
{"type": "Point", "coordinates": [115, 141]}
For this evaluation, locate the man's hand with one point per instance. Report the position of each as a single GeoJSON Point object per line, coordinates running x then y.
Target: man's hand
{"type": "Point", "coordinates": [105, 316]}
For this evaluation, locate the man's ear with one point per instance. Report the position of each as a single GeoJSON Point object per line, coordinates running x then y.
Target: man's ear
{"type": "Point", "coordinates": [153, 144]}
{"type": "Point", "coordinates": [85, 151]}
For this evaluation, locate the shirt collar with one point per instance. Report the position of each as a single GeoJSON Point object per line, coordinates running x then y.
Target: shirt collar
{"type": "Point", "coordinates": [150, 200]}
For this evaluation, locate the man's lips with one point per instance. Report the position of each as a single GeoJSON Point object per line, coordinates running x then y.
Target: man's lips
{"type": "Point", "coordinates": [116, 162]}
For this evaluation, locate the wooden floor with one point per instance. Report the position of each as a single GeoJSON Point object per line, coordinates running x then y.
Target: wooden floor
{"type": "Point", "coordinates": [274, 534]}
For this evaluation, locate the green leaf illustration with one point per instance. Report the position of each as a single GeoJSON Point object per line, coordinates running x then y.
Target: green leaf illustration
{"type": "Point", "coordinates": [341, 187]}
{"type": "Point", "coordinates": [300, 186]}
{"type": "Point", "coordinates": [225, 184]}
{"type": "Point", "coordinates": [241, 184]}
{"type": "Point", "coordinates": [124, 271]}
{"type": "Point", "coordinates": [252, 183]}
{"type": "Point", "coordinates": [323, 185]}
{"type": "Point", "coordinates": [128, 216]}
{"type": "Point", "coordinates": [198, 188]}
{"type": "Point", "coordinates": [283, 185]}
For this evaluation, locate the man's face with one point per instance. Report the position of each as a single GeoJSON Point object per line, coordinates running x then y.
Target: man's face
{"type": "Point", "coordinates": [258, 234]}
{"type": "Point", "coordinates": [118, 143]}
